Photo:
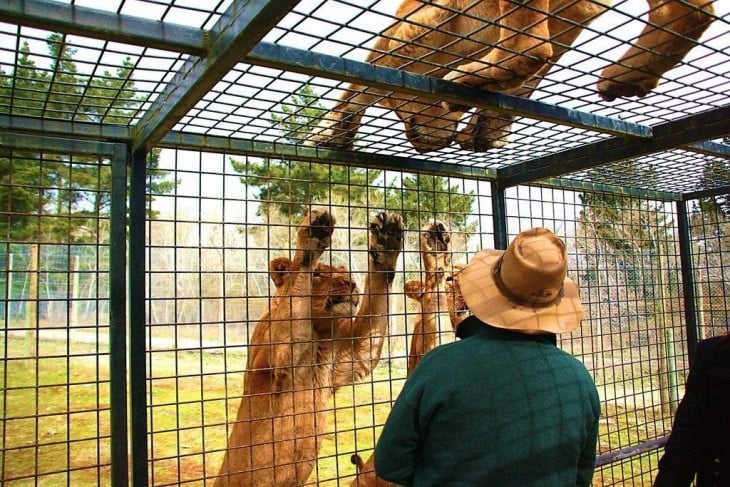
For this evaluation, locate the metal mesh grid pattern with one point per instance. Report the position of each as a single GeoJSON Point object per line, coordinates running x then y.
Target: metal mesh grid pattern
{"type": "Point", "coordinates": [238, 106]}
{"type": "Point", "coordinates": [633, 342]}
{"type": "Point", "coordinates": [161, 73]}
{"type": "Point", "coordinates": [208, 255]}
{"type": "Point", "coordinates": [55, 341]}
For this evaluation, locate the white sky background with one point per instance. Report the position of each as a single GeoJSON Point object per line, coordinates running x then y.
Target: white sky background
{"type": "Point", "coordinates": [345, 25]}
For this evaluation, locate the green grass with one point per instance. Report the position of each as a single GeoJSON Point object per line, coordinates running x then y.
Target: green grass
{"type": "Point", "coordinates": [56, 418]}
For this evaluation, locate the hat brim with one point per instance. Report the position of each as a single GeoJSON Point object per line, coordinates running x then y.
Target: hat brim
{"type": "Point", "coordinates": [487, 302]}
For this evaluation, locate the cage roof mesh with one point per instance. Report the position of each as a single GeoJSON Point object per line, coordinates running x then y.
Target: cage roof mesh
{"type": "Point", "coordinates": [154, 44]}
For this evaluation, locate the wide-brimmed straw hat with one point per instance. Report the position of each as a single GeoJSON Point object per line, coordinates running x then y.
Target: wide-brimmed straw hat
{"type": "Point", "coordinates": [523, 288]}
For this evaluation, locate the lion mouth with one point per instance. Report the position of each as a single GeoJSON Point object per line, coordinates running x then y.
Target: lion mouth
{"type": "Point", "coordinates": [335, 300]}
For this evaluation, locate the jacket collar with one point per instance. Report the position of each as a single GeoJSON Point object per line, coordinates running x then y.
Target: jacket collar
{"type": "Point", "coordinates": [474, 326]}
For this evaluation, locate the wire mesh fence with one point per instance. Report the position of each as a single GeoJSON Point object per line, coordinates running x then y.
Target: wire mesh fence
{"type": "Point", "coordinates": [209, 244]}
{"type": "Point", "coordinates": [55, 340]}
{"type": "Point", "coordinates": [241, 113]}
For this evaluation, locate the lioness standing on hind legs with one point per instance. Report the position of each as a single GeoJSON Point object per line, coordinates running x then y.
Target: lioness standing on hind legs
{"type": "Point", "coordinates": [306, 346]}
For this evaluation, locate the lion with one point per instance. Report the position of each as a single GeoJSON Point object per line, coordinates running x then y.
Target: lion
{"type": "Point", "coordinates": [306, 346]}
{"type": "Point", "coordinates": [502, 46]}
{"type": "Point", "coordinates": [434, 242]}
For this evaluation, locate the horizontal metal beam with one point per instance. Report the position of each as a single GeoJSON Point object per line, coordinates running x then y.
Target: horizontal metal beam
{"type": "Point", "coordinates": [709, 148]}
{"type": "Point", "coordinates": [64, 128]}
{"type": "Point", "coordinates": [587, 186]}
{"type": "Point", "coordinates": [706, 125]}
{"type": "Point", "coordinates": [100, 24]}
{"type": "Point", "coordinates": [317, 64]}
{"type": "Point", "coordinates": [705, 193]}
{"type": "Point", "coordinates": [116, 133]}
{"type": "Point", "coordinates": [239, 29]}
{"type": "Point", "coordinates": [181, 140]}
{"type": "Point", "coordinates": [58, 145]}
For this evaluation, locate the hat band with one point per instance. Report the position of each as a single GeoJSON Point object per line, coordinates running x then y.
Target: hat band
{"type": "Point", "coordinates": [506, 292]}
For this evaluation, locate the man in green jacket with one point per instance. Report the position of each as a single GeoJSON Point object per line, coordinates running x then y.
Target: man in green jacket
{"type": "Point", "coordinates": [503, 406]}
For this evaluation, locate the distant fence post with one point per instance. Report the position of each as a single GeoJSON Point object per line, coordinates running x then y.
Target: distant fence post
{"type": "Point", "coordinates": [75, 291]}
{"type": "Point", "coordinates": [8, 287]}
{"type": "Point", "coordinates": [31, 306]}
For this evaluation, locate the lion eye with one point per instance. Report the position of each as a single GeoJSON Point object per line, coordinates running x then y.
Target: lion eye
{"type": "Point", "coordinates": [316, 274]}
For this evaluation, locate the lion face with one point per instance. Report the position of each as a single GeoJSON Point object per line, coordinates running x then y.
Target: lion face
{"type": "Point", "coordinates": [454, 299]}
{"type": "Point", "coordinates": [334, 293]}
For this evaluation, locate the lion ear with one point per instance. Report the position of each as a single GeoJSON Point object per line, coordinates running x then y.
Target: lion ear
{"type": "Point", "coordinates": [278, 270]}
{"type": "Point", "coordinates": [413, 289]}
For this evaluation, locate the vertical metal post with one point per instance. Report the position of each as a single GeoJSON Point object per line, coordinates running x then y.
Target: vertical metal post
{"type": "Point", "coordinates": [137, 350]}
{"type": "Point", "coordinates": [499, 216]}
{"type": "Point", "coordinates": [688, 279]}
{"type": "Point", "coordinates": [118, 320]}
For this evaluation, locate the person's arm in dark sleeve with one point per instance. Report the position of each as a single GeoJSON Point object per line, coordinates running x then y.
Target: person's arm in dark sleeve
{"type": "Point", "coordinates": [686, 445]}
{"type": "Point", "coordinates": [398, 449]}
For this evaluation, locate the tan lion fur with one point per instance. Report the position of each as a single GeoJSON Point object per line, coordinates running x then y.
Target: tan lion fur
{"type": "Point", "coordinates": [303, 349]}
{"type": "Point", "coordinates": [501, 46]}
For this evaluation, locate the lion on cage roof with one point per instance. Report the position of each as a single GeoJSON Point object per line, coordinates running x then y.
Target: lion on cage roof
{"type": "Point", "coordinates": [502, 46]}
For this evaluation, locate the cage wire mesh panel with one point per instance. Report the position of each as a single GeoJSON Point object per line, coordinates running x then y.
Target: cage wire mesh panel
{"type": "Point", "coordinates": [709, 230]}
{"type": "Point", "coordinates": [210, 245]}
{"type": "Point", "coordinates": [55, 339]}
{"type": "Point", "coordinates": [625, 257]}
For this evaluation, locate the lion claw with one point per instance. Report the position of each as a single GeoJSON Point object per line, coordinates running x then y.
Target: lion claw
{"type": "Point", "coordinates": [386, 241]}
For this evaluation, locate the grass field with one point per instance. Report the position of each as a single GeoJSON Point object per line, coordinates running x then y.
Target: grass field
{"type": "Point", "coordinates": [56, 418]}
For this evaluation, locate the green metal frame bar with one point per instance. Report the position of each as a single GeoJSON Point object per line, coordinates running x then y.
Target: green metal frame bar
{"type": "Point", "coordinates": [707, 193]}
{"type": "Point", "coordinates": [65, 128]}
{"type": "Point", "coordinates": [41, 143]}
{"type": "Point", "coordinates": [688, 279]}
{"type": "Point", "coordinates": [578, 185]}
{"type": "Point", "coordinates": [100, 24]}
{"type": "Point", "coordinates": [317, 64]}
{"type": "Point", "coordinates": [670, 135]}
{"type": "Point", "coordinates": [118, 320]}
{"type": "Point", "coordinates": [710, 148]}
{"type": "Point", "coordinates": [499, 216]}
{"type": "Point", "coordinates": [209, 143]}
{"type": "Point", "coordinates": [117, 154]}
{"type": "Point", "coordinates": [137, 319]}
{"type": "Point", "coordinates": [236, 32]}
{"type": "Point", "coordinates": [239, 146]}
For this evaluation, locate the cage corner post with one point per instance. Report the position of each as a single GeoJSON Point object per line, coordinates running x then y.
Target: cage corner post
{"type": "Point", "coordinates": [499, 212]}
{"type": "Point", "coordinates": [118, 320]}
{"type": "Point", "coordinates": [688, 279]}
{"type": "Point", "coordinates": [137, 319]}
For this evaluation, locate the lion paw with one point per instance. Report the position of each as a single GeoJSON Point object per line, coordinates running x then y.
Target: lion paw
{"type": "Point", "coordinates": [315, 234]}
{"type": "Point", "coordinates": [622, 83]}
{"type": "Point", "coordinates": [386, 242]}
{"type": "Point", "coordinates": [485, 130]}
{"type": "Point", "coordinates": [335, 132]}
{"type": "Point", "coordinates": [434, 243]}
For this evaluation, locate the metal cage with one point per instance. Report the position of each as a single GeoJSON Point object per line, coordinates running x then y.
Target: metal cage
{"type": "Point", "coordinates": [156, 156]}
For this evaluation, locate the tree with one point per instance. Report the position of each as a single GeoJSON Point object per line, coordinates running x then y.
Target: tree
{"type": "Point", "coordinates": [58, 196]}
{"type": "Point", "coordinates": [423, 196]}
{"type": "Point", "coordinates": [626, 242]}
{"type": "Point", "coordinates": [289, 187]}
